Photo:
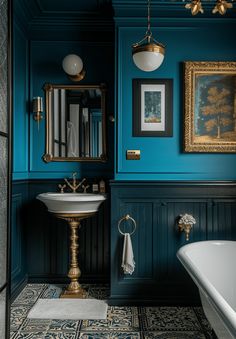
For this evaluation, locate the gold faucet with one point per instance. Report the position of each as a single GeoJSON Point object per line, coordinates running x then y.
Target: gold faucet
{"type": "Point", "coordinates": [74, 186]}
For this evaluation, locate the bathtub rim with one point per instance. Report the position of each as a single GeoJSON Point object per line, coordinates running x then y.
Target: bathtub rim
{"type": "Point", "coordinates": [215, 298]}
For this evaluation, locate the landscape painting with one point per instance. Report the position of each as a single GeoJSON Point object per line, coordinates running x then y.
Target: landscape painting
{"type": "Point", "coordinates": [210, 108]}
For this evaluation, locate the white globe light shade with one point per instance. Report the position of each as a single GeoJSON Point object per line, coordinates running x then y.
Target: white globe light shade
{"type": "Point", "coordinates": [148, 61]}
{"type": "Point", "coordinates": [72, 64]}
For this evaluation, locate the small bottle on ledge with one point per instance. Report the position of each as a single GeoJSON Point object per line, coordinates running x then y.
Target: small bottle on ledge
{"type": "Point", "coordinates": [95, 188]}
{"type": "Point", "coordinates": [102, 187]}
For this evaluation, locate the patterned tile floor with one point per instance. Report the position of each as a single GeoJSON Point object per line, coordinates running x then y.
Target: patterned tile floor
{"type": "Point", "coordinates": [121, 323]}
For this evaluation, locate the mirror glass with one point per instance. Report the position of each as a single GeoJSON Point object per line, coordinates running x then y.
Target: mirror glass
{"type": "Point", "coordinates": [75, 120]}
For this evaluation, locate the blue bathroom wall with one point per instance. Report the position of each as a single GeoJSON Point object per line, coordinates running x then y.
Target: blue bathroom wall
{"type": "Point", "coordinates": [20, 102]}
{"type": "Point", "coordinates": [186, 39]}
{"type": "Point", "coordinates": [41, 41]}
{"type": "Point", "coordinates": [45, 67]}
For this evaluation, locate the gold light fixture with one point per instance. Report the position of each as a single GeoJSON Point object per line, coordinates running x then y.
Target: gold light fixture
{"type": "Point", "coordinates": [221, 6]}
{"type": "Point", "coordinates": [73, 67]}
{"type": "Point", "coordinates": [148, 54]}
{"type": "Point", "coordinates": [37, 108]}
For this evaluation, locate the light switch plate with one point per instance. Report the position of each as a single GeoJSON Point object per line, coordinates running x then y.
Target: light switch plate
{"type": "Point", "coordinates": [133, 154]}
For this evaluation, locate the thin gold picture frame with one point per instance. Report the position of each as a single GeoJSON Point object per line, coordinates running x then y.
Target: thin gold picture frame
{"type": "Point", "coordinates": [208, 86]}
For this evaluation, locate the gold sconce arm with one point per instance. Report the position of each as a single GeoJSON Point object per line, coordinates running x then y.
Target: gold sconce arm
{"type": "Point", "coordinates": [186, 228]}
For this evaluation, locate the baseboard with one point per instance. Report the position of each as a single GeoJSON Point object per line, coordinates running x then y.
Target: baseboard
{"type": "Point", "coordinates": [63, 280]}
{"type": "Point", "coordinates": [122, 301]}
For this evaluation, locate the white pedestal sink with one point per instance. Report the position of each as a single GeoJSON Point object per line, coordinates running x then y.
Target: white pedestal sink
{"type": "Point", "coordinates": [73, 207]}
{"type": "Point", "coordinates": [72, 202]}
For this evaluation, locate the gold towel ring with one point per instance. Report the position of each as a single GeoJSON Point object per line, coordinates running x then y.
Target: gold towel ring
{"type": "Point", "coordinates": [127, 217]}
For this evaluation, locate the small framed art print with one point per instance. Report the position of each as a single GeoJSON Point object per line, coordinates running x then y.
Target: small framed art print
{"type": "Point", "coordinates": [152, 107]}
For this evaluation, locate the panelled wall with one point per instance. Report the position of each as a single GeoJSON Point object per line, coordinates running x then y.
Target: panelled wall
{"type": "Point", "coordinates": [5, 146]}
{"type": "Point", "coordinates": [176, 187]}
{"type": "Point", "coordinates": [187, 38]}
{"type": "Point", "coordinates": [156, 206]}
{"type": "Point", "coordinates": [40, 242]}
{"type": "Point", "coordinates": [46, 57]}
{"type": "Point", "coordinates": [18, 236]}
{"type": "Point", "coordinates": [38, 60]}
{"type": "Point", "coordinates": [20, 101]}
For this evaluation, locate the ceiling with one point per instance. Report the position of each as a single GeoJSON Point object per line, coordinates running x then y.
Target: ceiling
{"type": "Point", "coordinates": [64, 6]}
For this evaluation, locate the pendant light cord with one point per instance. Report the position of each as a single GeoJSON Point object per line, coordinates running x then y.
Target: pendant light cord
{"type": "Point", "coordinates": [148, 33]}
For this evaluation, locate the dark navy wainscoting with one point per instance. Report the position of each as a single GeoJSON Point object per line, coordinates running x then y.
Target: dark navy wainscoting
{"type": "Point", "coordinates": [158, 276]}
{"type": "Point", "coordinates": [40, 242]}
{"type": "Point", "coordinates": [18, 236]}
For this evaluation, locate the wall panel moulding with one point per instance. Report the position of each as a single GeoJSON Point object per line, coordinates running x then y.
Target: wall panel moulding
{"type": "Point", "coordinates": [162, 8]}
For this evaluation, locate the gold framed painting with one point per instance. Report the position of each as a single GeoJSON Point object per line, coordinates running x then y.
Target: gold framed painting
{"type": "Point", "coordinates": [210, 107]}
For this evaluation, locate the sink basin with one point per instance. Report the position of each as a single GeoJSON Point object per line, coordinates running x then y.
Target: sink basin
{"type": "Point", "coordinates": [71, 202]}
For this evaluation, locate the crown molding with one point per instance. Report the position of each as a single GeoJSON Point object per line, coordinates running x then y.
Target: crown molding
{"type": "Point", "coordinates": [25, 13]}
{"type": "Point", "coordinates": [60, 28]}
{"type": "Point", "coordinates": [166, 9]}
{"type": "Point", "coordinates": [35, 18]}
{"type": "Point", "coordinates": [79, 8]}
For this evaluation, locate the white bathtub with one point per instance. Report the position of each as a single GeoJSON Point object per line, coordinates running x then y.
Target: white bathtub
{"type": "Point", "coordinates": [212, 266]}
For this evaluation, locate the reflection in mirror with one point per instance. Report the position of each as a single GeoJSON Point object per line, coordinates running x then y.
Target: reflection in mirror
{"type": "Point", "coordinates": [75, 123]}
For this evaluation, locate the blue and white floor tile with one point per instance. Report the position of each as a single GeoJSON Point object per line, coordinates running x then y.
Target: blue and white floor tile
{"type": "Point", "coordinates": [174, 335]}
{"type": "Point", "coordinates": [169, 319]}
{"type": "Point", "coordinates": [121, 323]}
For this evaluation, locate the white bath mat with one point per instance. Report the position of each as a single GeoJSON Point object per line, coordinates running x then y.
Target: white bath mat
{"type": "Point", "coordinates": [75, 309]}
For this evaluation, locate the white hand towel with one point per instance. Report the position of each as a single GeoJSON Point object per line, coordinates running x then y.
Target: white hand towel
{"type": "Point", "coordinates": [128, 263]}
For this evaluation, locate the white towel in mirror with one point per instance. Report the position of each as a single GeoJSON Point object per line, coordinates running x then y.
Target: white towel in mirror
{"type": "Point", "coordinates": [71, 140]}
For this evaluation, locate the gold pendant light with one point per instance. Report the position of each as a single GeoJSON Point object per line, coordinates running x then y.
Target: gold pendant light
{"type": "Point", "coordinates": [148, 54]}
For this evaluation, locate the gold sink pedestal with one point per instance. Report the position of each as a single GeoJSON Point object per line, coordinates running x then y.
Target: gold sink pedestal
{"type": "Point", "coordinates": [74, 289]}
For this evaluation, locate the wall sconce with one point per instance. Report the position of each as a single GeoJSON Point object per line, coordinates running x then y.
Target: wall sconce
{"type": "Point", "coordinates": [72, 64]}
{"type": "Point", "coordinates": [37, 108]}
{"type": "Point", "coordinates": [185, 223]}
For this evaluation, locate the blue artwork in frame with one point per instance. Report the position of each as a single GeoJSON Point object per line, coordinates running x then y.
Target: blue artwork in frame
{"type": "Point", "coordinates": [152, 107]}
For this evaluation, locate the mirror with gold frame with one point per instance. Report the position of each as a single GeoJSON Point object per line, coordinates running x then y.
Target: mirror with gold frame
{"type": "Point", "coordinates": [75, 123]}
